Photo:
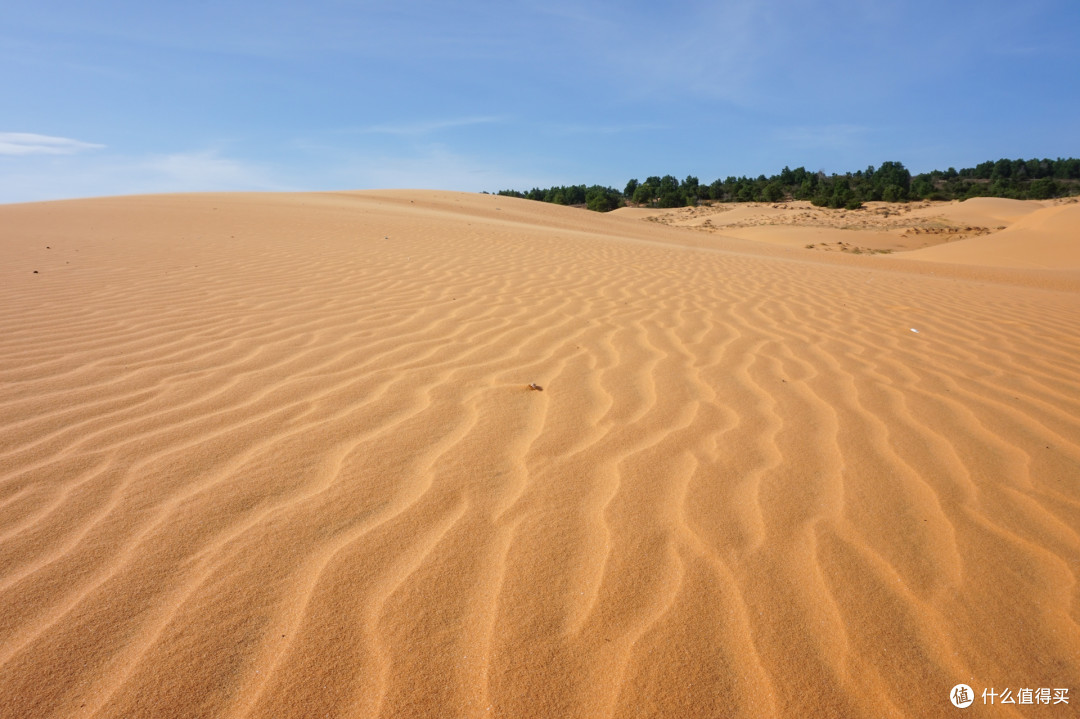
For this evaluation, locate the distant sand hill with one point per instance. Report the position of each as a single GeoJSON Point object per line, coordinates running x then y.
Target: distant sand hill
{"type": "Point", "coordinates": [277, 455]}
{"type": "Point", "coordinates": [1041, 235]}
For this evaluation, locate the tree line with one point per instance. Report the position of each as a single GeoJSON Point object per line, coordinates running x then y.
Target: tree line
{"type": "Point", "coordinates": [891, 182]}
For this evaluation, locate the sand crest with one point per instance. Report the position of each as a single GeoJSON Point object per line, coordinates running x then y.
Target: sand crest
{"type": "Point", "coordinates": [272, 455]}
{"type": "Point", "coordinates": [1047, 238]}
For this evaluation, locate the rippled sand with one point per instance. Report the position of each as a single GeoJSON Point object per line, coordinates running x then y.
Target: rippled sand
{"type": "Point", "coordinates": [277, 456]}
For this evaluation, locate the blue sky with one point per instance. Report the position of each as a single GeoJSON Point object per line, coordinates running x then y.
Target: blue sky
{"type": "Point", "coordinates": [118, 97]}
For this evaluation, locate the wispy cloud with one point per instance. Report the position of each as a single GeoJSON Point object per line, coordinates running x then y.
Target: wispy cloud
{"type": "Point", "coordinates": [434, 167]}
{"type": "Point", "coordinates": [201, 170]}
{"type": "Point", "coordinates": [711, 51]}
{"type": "Point", "coordinates": [427, 127]}
{"type": "Point", "coordinates": [822, 137]}
{"type": "Point", "coordinates": [582, 129]}
{"type": "Point", "coordinates": [28, 178]}
{"type": "Point", "coordinates": [29, 143]}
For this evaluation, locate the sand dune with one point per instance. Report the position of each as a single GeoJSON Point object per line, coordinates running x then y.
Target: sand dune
{"type": "Point", "coordinates": [983, 211]}
{"type": "Point", "coordinates": [1048, 238]}
{"type": "Point", "coordinates": [277, 456]}
{"type": "Point", "coordinates": [888, 227]}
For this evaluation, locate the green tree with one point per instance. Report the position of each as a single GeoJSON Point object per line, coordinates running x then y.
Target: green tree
{"type": "Point", "coordinates": [891, 175]}
{"type": "Point", "coordinates": [669, 195]}
{"type": "Point", "coordinates": [602, 199]}
{"type": "Point", "coordinates": [772, 192]}
{"type": "Point", "coordinates": [891, 182]}
{"type": "Point", "coordinates": [644, 195]}
{"type": "Point", "coordinates": [691, 190]}
{"type": "Point", "coordinates": [1043, 189]}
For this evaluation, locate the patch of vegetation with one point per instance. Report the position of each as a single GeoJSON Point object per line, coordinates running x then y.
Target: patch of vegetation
{"type": "Point", "coordinates": [845, 247]}
{"type": "Point", "coordinates": [600, 199]}
{"type": "Point", "coordinates": [891, 182]}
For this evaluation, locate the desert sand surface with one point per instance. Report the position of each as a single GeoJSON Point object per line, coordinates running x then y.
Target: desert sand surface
{"type": "Point", "coordinates": [276, 455]}
{"type": "Point", "coordinates": [1042, 234]}
{"type": "Point", "coordinates": [1046, 239]}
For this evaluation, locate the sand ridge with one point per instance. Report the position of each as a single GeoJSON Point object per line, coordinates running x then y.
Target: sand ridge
{"type": "Point", "coordinates": [882, 227]}
{"type": "Point", "coordinates": [276, 455]}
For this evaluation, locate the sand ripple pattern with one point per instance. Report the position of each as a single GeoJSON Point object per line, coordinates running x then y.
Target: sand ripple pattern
{"type": "Point", "coordinates": [274, 456]}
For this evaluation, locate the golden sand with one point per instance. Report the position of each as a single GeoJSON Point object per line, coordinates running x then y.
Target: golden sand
{"type": "Point", "coordinates": [276, 456]}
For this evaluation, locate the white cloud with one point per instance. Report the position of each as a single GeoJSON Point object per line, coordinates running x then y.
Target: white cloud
{"type": "Point", "coordinates": [201, 170]}
{"type": "Point", "coordinates": [29, 143]}
{"type": "Point", "coordinates": [28, 178]}
{"type": "Point", "coordinates": [426, 127]}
